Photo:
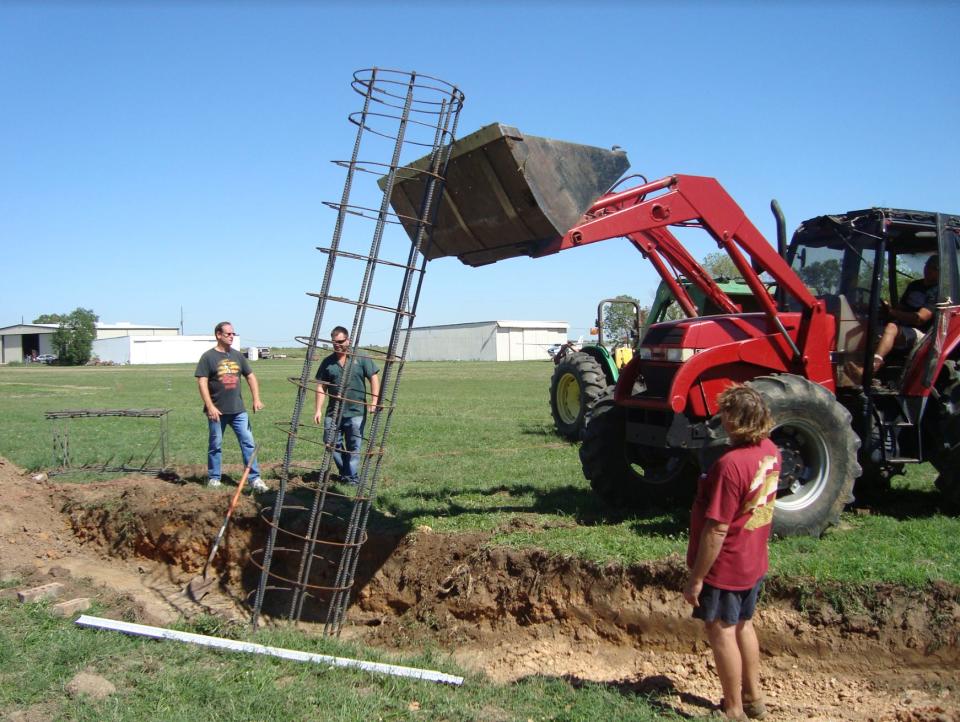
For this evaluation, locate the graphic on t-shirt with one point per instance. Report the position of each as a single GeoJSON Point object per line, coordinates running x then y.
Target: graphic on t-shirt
{"type": "Point", "coordinates": [228, 373]}
{"type": "Point", "coordinates": [760, 505]}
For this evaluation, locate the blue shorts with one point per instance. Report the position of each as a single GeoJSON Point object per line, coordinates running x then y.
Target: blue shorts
{"type": "Point", "coordinates": [729, 607]}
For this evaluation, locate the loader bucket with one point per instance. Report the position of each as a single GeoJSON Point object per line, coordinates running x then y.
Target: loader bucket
{"type": "Point", "coordinates": [507, 194]}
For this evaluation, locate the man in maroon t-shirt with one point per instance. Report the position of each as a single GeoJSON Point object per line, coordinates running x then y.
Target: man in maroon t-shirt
{"type": "Point", "coordinates": [729, 528]}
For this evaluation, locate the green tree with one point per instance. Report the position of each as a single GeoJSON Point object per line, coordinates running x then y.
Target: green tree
{"type": "Point", "coordinates": [822, 277]}
{"type": "Point", "coordinates": [718, 264]}
{"type": "Point", "coordinates": [48, 318]}
{"type": "Point", "coordinates": [619, 319]}
{"type": "Point", "coordinates": [73, 340]}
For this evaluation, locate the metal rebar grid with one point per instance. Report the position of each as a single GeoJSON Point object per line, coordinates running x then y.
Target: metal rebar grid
{"type": "Point", "coordinates": [371, 285]}
{"type": "Point", "coordinates": [63, 459]}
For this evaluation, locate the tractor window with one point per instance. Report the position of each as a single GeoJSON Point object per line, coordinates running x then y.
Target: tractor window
{"type": "Point", "coordinates": [909, 268]}
{"type": "Point", "coordinates": [819, 269]}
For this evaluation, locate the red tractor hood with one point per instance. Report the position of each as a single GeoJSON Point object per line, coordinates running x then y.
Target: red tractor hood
{"type": "Point", "coordinates": [683, 366]}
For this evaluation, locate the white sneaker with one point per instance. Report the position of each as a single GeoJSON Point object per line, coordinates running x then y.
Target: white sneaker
{"type": "Point", "coordinates": [258, 487]}
{"type": "Point", "coordinates": [213, 483]}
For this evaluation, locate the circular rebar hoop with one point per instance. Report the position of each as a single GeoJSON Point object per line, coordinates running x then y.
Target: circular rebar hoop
{"type": "Point", "coordinates": [402, 112]}
{"type": "Point", "coordinates": [382, 85]}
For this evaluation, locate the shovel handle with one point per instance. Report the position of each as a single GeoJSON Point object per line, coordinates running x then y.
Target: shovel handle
{"type": "Point", "coordinates": [233, 504]}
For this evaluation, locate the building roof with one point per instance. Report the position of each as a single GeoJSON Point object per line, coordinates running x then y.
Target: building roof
{"type": "Point", "coordinates": [559, 325]}
{"type": "Point", "coordinates": [50, 327]}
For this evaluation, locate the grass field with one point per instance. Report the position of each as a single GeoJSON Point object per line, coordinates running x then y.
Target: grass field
{"type": "Point", "coordinates": [471, 448]}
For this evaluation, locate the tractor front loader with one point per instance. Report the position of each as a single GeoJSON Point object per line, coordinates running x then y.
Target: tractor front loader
{"type": "Point", "coordinates": [648, 437]}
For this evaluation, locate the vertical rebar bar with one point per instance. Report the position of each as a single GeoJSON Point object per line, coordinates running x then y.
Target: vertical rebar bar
{"type": "Point", "coordinates": [402, 111]}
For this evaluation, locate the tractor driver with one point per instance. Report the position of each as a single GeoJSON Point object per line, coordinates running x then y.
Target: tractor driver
{"type": "Point", "coordinates": [911, 318]}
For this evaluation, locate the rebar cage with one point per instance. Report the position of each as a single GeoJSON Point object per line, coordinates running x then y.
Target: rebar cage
{"type": "Point", "coordinates": [373, 275]}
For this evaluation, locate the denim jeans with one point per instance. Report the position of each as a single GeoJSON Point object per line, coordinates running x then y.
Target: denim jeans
{"type": "Point", "coordinates": [346, 446]}
{"type": "Point", "coordinates": [240, 423]}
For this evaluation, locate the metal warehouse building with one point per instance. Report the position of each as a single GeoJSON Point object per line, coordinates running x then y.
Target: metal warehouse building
{"type": "Point", "coordinates": [120, 343]}
{"type": "Point", "coordinates": [486, 341]}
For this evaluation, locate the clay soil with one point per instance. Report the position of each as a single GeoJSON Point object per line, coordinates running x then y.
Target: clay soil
{"type": "Point", "coordinates": [887, 653]}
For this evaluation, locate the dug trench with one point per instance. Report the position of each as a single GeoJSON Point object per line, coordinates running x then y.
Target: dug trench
{"type": "Point", "coordinates": [878, 652]}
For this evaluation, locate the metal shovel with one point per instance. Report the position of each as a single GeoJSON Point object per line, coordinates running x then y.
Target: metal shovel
{"type": "Point", "coordinates": [199, 586]}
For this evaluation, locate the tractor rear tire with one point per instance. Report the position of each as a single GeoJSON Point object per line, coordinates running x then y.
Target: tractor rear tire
{"type": "Point", "coordinates": [947, 462]}
{"type": "Point", "coordinates": [577, 383]}
{"type": "Point", "coordinates": [622, 475]}
{"type": "Point", "coordinates": [819, 449]}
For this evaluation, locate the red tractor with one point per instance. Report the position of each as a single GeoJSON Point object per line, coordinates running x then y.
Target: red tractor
{"type": "Point", "coordinates": [809, 350]}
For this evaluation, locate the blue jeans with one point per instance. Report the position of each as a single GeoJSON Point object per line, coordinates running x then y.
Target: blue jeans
{"type": "Point", "coordinates": [346, 454]}
{"type": "Point", "coordinates": [240, 423]}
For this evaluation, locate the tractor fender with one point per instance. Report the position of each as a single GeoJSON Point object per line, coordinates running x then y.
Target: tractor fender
{"type": "Point", "coordinates": [943, 342]}
{"type": "Point", "coordinates": [602, 356]}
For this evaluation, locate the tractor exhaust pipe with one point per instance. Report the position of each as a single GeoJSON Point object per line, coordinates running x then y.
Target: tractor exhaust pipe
{"type": "Point", "coordinates": [781, 245]}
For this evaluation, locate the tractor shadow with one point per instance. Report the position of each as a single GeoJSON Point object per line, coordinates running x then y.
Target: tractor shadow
{"type": "Point", "coordinates": [573, 503]}
{"type": "Point", "coordinates": [900, 503]}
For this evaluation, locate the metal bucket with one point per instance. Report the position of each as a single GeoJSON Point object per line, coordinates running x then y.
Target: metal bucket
{"type": "Point", "coordinates": [507, 193]}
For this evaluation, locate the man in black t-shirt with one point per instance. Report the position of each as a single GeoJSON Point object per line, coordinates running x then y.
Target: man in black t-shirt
{"type": "Point", "coordinates": [218, 378]}
{"type": "Point", "coordinates": [912, 317]}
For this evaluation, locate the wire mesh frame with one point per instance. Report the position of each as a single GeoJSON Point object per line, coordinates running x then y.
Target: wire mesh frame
{"type": "Point", "coordinates": [63, 448]}
{"type": "Point", "coordinates": [417, 101]}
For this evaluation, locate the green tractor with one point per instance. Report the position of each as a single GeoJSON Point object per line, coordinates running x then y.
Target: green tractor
{"type": "Point", "coordinates": [581, 377]}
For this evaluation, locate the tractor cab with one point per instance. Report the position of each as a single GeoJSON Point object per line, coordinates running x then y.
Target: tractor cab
{"type": "Point", "coordinates": [860, 263]}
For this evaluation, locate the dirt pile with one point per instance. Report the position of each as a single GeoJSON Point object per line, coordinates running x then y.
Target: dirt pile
{"type": "Point", "coordinates": [876, 653]}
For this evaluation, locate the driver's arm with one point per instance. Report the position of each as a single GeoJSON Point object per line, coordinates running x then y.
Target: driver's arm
{"type": "Point", "coordinates": [917, 318]}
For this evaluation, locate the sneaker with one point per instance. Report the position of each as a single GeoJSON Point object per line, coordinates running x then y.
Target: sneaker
{"type": "Point", "coordinates": [350, 481]}
{"type": "Point", "coordinates": [258, 487]}
{"type": "Point", "coordinates": [213, 483]}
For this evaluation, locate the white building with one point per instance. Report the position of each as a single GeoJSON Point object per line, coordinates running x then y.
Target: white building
{"type": "Point", "coordinates": [153, 349]}
{"type": "Point", "coordinates": [121, 343]}
{"type": "Point", "coordinates": [486, 341]}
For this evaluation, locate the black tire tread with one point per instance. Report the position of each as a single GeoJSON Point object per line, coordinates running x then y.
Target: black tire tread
{"type": "Point", "coordinates": [791, 391]}
{"type": "Point", "coordinates": [593, 383]}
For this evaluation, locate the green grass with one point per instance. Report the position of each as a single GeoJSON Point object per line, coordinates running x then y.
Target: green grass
{"type": "Point", "coordinates": [471, 448]}
{"type": "Point", "coordinates": [39, 654]}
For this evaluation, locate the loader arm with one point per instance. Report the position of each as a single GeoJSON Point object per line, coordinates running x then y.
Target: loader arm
{"type": "Point", "coordinates": [698, 201]}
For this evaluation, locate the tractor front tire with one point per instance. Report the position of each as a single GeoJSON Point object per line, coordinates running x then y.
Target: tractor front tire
{"type": "Point", "coordinates": [819, 454]}
{"type": "Point", "coordinates": [577, 383]}
{"type": "Point", "coordinates": [623, 475]}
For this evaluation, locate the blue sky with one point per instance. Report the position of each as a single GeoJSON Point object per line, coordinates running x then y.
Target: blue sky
{"type": "Point", "coordinates": [156, 155]}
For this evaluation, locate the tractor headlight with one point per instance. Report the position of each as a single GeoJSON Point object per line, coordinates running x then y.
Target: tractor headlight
{"type": "Point", "coordinates": [679, 355]}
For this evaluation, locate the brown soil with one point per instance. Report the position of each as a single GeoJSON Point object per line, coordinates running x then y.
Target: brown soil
{"type": "Point", "coordinates": [887, 653]}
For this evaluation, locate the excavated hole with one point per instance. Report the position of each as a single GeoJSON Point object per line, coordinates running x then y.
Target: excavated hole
{"type": "Point", "coordinates": [515, 613]}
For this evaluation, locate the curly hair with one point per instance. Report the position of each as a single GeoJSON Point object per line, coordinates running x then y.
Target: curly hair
{"type": "Point", "coordinates": [748, 420]}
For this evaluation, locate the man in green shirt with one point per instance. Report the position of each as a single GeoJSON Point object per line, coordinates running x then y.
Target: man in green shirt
{"type": "Point", "coordinates": [347, 436]}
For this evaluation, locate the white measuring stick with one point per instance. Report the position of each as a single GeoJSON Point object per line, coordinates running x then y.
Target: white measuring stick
{"type": "Point", "coordinates": [233, 645]}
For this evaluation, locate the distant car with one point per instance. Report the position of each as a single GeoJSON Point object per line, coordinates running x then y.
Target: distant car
{"type": "Point", "coordinates": [264, 352]}
{"type": "Point", "coordinates": [552, 350]}
{"type": "Point", "coordinates": [45, 358]}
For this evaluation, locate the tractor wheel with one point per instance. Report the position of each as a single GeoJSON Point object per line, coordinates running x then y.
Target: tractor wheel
{"type": "Point", "coordinates": [625, 475]}
{"type": "Point", "coordinates": [819, 452]}
{"type": "Point", "coordinates": [578, 381]}
{"type": "Point", "coordinates": [947, 462]}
